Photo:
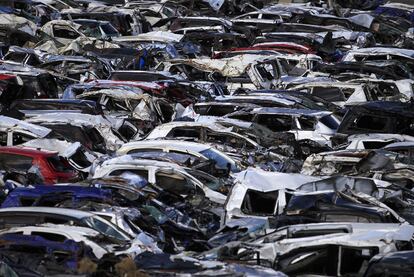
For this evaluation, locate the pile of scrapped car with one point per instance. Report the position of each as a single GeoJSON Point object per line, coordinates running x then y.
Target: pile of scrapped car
{"type": "Point", "coordinates": [206, 138]}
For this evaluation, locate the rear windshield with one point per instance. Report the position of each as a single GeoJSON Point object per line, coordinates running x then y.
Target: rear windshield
{"type": "Point", "coordinates": [59, 164]}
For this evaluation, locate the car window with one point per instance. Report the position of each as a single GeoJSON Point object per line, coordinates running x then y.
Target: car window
{"type": "Point", "coordinates": [230, 140]}
{"type": "Point", "coordinates": [140, 172]}
{"type": "Point", "coordinates": [276, 123]}
{"type": "Point", "coordinates": [329, 93]}
{"type": "Point", "coordinates": [174, 183]}
{"type": "Point", "coordinates": [329, 121]}
{"type": "Point", "coordinates": [220, 159]}
{"type": "Point", "coordinates": [3, 138]}
{"type": "Point", "coordinates": [219, 110]}
{"type": "Point", "coordinates": [15, 57]}
{"type": "Point", "coordinates": [49, 236]}
{"type": "Point", "coordinates": [307, 123]}
{"type": "Point", "coordinates": [105, 227]}
{"type": "Point", "coordinates": [64, 32]}
{"type": "Point", "coordinates": [12, 162]}
{"type": "Point", "coordinates": [370, 122]}
{"type": "Point", "coordinates": [185, 132]}
{"type": "Point", "coordinates": [259, 203]}
{"type": "Point", "coordinates": [20, 138]}
{"type": "Point", "coordinates": [13, 220]}
{"type": "Point", "coordinates": [346, 218]}
{"type": "Point", "coordinates": [59, 164]}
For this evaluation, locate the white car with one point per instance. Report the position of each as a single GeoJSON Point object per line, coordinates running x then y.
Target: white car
{"type": "Point", "coordinates": [165, 175]}
{"type": "Point", "coordinates": [305, 124]}
{"type": "Point", "coordinates": [202, 131]}
{"type": "Point", "coordinates": [339, 93]}
{"type": "Point", "coordinates": [99, 244]}
{"type": "Point", "coordinates": [14, 131]}
{"type": "Point", "coordinates": [261, 194]}
{"type": "Point", "coordinates": [204, 151]}
{"type": "Point", "coordinates": [375, 141]}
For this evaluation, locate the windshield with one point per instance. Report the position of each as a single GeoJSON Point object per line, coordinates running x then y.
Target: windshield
{"type": "Point", "coordinates": [105, 227]}
{"type": "Point", "coordinates": [208, 180]}
{"type": "Point", "coordinates": [222, 161]}
{"type": "Point", "coordinates": [109, 30]}
{"type": "Point", "coordinates": [94, 29]}
{"type": "Point", "coordinates": [309, 104]}
{"type": "Point", "coordinates": [330, 121]}
{"type": "Point", "coordinates": [90, 31]}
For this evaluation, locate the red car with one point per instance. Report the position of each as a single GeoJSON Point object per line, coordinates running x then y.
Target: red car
{"type": "Point", "coordinates": [52, 168]}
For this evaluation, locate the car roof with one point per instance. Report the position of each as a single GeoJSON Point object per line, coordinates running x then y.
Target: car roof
{"type": "Point", "coordinates": [172, 144]}
{"type": "Point", "coordinates": [130, 160]}
{"type": "Point", "coordinates": [67, 229]}
{"type": "Point", "coordinates": [81, 20]}
{"type": "Point", "coordinates": [402, 144]}
{"type": "Point", "coordinates": [26, 151]}
{"type": "Point", "coordinates": [287, 111]}
{"type": "Point", "coordinates": [78, 214]}
{"type": "Point", "coordinates": [9, 122]}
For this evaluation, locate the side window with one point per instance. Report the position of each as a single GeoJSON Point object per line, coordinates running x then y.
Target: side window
{"type": "Point", "coordinates": [59, 164]}
{"type": "Point", "coordinates": [190, 156]}
{"type": "Point", "coordinates": [11, 162]}
{"type": "Point", "coordinates": [267, 71]}
{"type": "Point", "coordinates": [16, 233]}
{"type": "Point", "coordinates": [347, 92]}
{"type": "Point", "coordinates": [403, 125]}
{"type": "Point", "coordinates": [64, 32]}
{"type": "Point", "coordinates": [347, 218]}
{"type": "Point", "coordinates": [218, 138]}
{"type": "Point", "coordinates": [95, 136]}
{"type": "Point", "coordinates": [201, 109]}
{"type": "Point", "coordinates": [292, 67]}
{"type": "Point", "coordinates": [150, 13]}
{"type": "Point", "coordinates": [116, 105]}
{"type": "Point", "coordinates": [91, 31]}
{"type": "Point", "coordinates": [96, 98]}
{"type": "Point", "coordinates": [220, 110]}
{"type": "Point", "coordinates": [144, 150]}
{"type": "Point", "coordinates": [329, 94]}
{"type": "Point", "coordinates": [306, 123]}
{"type": "Point", "coordinates": [243, 116]}
{"type": "Point", "coordinates": [228, 139]}
{"type": "Point", "coordinates": [55, 220]}
{"type": "Point", "coordinates": [3, 138]}
{"type": "Point", "coordinates": [174, 183]}
{"type": "Point", "coordinates": [185, 132]}
{"type": "Point", "coordinates": [27, 201]}
{"type": "Point", "coordinates": [128, 130]}
{"type": "Point", "coordinates": [384, 90]}
{"type": "Point", "coordinates": [62, 256]}
{"type": "Point", "coordinates": [259, 203]}
{"type": "Point", "coordinates": [141, 173]}
{"type": "Point", "coordinates": [15, 57]}
{"type": "Point", "coordinates": [276, 123]}
{"type": "Point", "coordinates": [9, 220]}
{"type": "Point", "coordinates": [20, 138]}
{"type": "Point", "coordinates": [270, 16]}
{"type": "Point", "coordinates": [50, 236]}
{"type": "Point", "coordinates": [166, 110]}
{"type": "Point", "coordinates": [370, 122]}
{"type": "Point", "coordinates": [375, 144]}
{"type": "Point", "coordinates": [33, 60]}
